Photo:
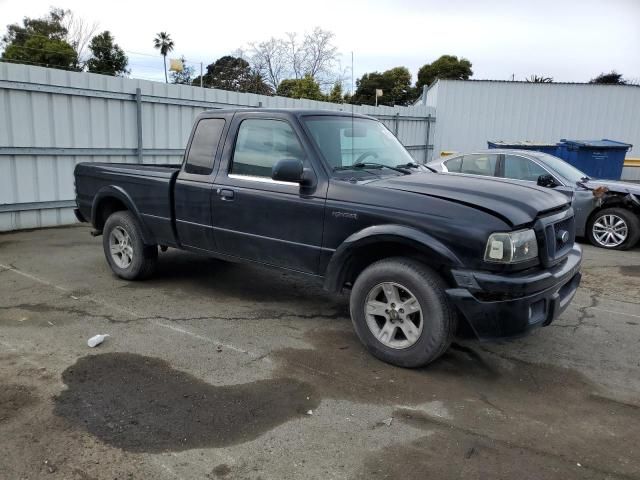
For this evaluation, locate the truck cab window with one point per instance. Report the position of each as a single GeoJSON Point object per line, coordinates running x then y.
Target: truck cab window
{"type": "Point", "coordinates": [260, 144]}
{"type": "Point", "coordinates": [204, 145]}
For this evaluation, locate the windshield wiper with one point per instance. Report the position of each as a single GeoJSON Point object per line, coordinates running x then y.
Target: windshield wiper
{"type": "Point", "coordinates": [408, 165]}
{"type": "Point", "coordinates": [360, 165]}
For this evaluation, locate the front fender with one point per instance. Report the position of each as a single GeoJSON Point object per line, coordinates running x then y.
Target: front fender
{"type": "Point", "coordinates": [438, 253]}
{"type": "Point", "coordinates": [113, 191]}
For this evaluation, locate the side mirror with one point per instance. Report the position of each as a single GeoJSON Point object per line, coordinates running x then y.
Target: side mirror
{"type": "Point", "coordinates": [547, 180]}
{"type": "Point", "coordinates": [288, 170]}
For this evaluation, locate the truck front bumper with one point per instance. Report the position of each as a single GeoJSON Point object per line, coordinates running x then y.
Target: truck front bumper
{"type": "Point", "coordinates": [511, 304]}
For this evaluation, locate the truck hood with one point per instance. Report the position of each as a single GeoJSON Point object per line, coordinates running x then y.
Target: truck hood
{"type": "Point", "coordinates": [515, 203]}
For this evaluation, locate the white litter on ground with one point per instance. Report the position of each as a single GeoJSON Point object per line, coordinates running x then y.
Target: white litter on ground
{"type": "Point", "coordinates": [97, 340]}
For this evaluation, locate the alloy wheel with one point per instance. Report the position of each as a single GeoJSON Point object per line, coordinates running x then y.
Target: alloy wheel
{"type": "Point", "coordinates": [120, 247]}
{"type": "Point", "coordinates": [610, 231]}
{"type": "Point", "coordinates": [394, 315]}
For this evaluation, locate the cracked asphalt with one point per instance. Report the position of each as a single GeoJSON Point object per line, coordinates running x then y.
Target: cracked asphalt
{"type": "Point", "coordinates": [215, 370]}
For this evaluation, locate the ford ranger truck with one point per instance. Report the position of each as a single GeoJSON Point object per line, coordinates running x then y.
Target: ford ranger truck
{"type": "Point", "coordinates": [425, 256]}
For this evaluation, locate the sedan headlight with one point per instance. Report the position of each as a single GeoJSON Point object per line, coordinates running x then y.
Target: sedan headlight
{"type": "Point", "coordinates": [511, 247]}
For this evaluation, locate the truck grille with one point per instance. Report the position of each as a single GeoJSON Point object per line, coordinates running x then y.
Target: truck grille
{"type": "Point", "coordinates": [556, 234]}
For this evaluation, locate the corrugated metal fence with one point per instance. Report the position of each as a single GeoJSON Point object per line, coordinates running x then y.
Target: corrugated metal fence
{"type": "Point", "coordinates": [52, 119]}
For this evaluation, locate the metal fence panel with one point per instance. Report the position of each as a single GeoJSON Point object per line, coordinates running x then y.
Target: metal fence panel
{"type": "Point", "coordinates": [50, 120]}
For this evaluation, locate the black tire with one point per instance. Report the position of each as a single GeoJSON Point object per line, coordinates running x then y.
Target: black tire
{"type": "Point", "coordinates": [629, 217]}
{"type": "Point", "coordinates": [438, 315]}
{"type": "Point", "coordinates": [145, 257]}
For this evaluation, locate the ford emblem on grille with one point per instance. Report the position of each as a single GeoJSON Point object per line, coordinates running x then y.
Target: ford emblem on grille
{"type": "Point", "coordinates": [563, 236]}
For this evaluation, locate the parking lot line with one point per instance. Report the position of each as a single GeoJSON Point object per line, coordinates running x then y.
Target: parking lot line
{"type": "Point", "coordinates": [134, 314]}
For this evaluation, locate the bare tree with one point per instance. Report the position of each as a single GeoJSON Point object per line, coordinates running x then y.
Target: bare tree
{"type": "Point", "coordinates": [295, 54]}
{"type": "Point", "coordinates": [270, 60]}
{"type": "Point", "coordinates": [320, 54]}
{"type": "Point", "coordinates": [284, 58]}
{"type": "Point", "coordinates": [79, 34]}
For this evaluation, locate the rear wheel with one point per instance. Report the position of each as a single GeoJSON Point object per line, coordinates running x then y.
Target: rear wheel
{"type": "Point", "coordinates": [126, 253]}
{"type": "Point", "coordinates": [401, 313]}
{"type": "Point", "coordinates": [614, 228]}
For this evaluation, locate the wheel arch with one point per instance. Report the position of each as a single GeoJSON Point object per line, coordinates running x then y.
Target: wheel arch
{"type": "Point", "coordinates": [382, 241]}
{"type": "Point", "coordinates": [110, 199]}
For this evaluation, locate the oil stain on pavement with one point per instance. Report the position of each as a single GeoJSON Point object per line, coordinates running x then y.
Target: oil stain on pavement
{"type": "Point", "coordinates": [142, 404]}
{"type": "Point", "coordinates": [509, 404]}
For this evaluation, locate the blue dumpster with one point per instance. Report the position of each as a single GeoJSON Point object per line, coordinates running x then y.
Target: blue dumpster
{"type": "Point", "coordinates": [597, 158]}
{"type": "Point", "coordinates": [549, 148]}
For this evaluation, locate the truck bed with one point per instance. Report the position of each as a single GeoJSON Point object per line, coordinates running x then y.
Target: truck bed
{"type": "Point", "coordinates": [147, 187]}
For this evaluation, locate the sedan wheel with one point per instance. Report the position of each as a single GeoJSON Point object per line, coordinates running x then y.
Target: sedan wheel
{"type": "Point", "coordinates": [610, 231]}
{"type": "Point", "coordinates": [394, 315]}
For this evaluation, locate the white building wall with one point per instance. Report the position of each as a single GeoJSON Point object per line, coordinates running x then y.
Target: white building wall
{"type": "Point", "coordinates": [469, 113]}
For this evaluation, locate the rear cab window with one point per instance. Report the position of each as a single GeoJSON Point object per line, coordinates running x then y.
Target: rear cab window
{"type": "Point", "coordinates": [204, 146]}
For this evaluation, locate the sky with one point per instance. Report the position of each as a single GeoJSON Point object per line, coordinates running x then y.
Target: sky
{"type": "Point", "coordinates": [569, 40]}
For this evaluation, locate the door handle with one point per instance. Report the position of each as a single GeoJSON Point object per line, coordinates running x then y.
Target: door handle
{"type": "Point", "coordinates": [225, 194]}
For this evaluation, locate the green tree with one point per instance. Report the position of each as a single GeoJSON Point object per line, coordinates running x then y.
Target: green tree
{"type": "Point", "coordinates": [285, 88]}
{"type": "Point", "coordinates": [184, 77]}
{"type": "Point", "coordinates": [447, 66]}
{"type": "Point", "coordinates": [40, 41]}
{"type": "Point", "coordinates": [257, 84]}
{"type": "Point", "coordinates": [611, 78]}
{"type": "Point", "coordinates": [106, 56]}
{"type": "Point", "coordinates": [395, 84]}
{"type": "Point", "coordinates": [235, 74]}
{"type": "Point", "coordinates": [165, 45]}
{"type": "Point", "coordinates": [305, 87]}
{"type": "Point", "coordinates": [336, 95]}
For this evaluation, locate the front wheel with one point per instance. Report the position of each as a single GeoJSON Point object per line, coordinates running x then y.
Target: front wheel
{"type": "Point", "coordinates": [401, 313]}
{"type": "Point", "coordinates": [127, 255]}
{"type": "Point", "coordinates": [614, 228]}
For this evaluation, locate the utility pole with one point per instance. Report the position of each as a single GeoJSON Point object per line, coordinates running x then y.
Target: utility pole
{"type": "Point", "coordinates": [200, 74]}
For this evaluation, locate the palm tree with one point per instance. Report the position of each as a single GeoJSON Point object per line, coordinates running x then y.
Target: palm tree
{"type": "Point", "coordinates": [163, 43]}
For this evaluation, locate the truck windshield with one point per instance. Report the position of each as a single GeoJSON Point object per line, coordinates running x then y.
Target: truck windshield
{"type": "Point", "coordinates": [351, 141]}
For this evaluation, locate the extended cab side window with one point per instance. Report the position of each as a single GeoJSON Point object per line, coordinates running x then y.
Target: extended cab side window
{"type": "Point", "coordinates": [204, 146]}
{"type": "Point", "coordinates": [521, 168]}
{"type": "Point", "coordinates": [479, 164]}
{"type": "Point", "coordinates": [260, 144]}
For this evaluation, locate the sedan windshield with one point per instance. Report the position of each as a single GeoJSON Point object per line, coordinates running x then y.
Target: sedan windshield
{"type": "Point", "coordinates": [352, 142]}
{"type": "Point", "coordinates": [561, 167]}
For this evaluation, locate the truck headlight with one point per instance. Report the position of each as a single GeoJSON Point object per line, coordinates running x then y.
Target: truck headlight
{"type": "Point", "coordinates": [511, 247]}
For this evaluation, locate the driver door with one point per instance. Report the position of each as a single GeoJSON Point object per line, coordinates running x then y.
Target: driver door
{"type": "Point", "coordinates": [260, 219]}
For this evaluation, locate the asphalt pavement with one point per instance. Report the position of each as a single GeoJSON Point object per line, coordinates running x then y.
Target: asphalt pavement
{"type": "Point", "coordinates": [216, 370]}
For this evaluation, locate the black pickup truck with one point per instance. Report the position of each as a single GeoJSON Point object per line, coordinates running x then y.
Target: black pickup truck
{"type": "Point", "coordinates": [336, 196]}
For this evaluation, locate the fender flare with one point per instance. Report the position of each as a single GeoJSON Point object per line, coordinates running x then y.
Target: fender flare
{"type": "Point", "coordinates": [113, 191]}
{"type": "Point", "coordinates": [340, 260]}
